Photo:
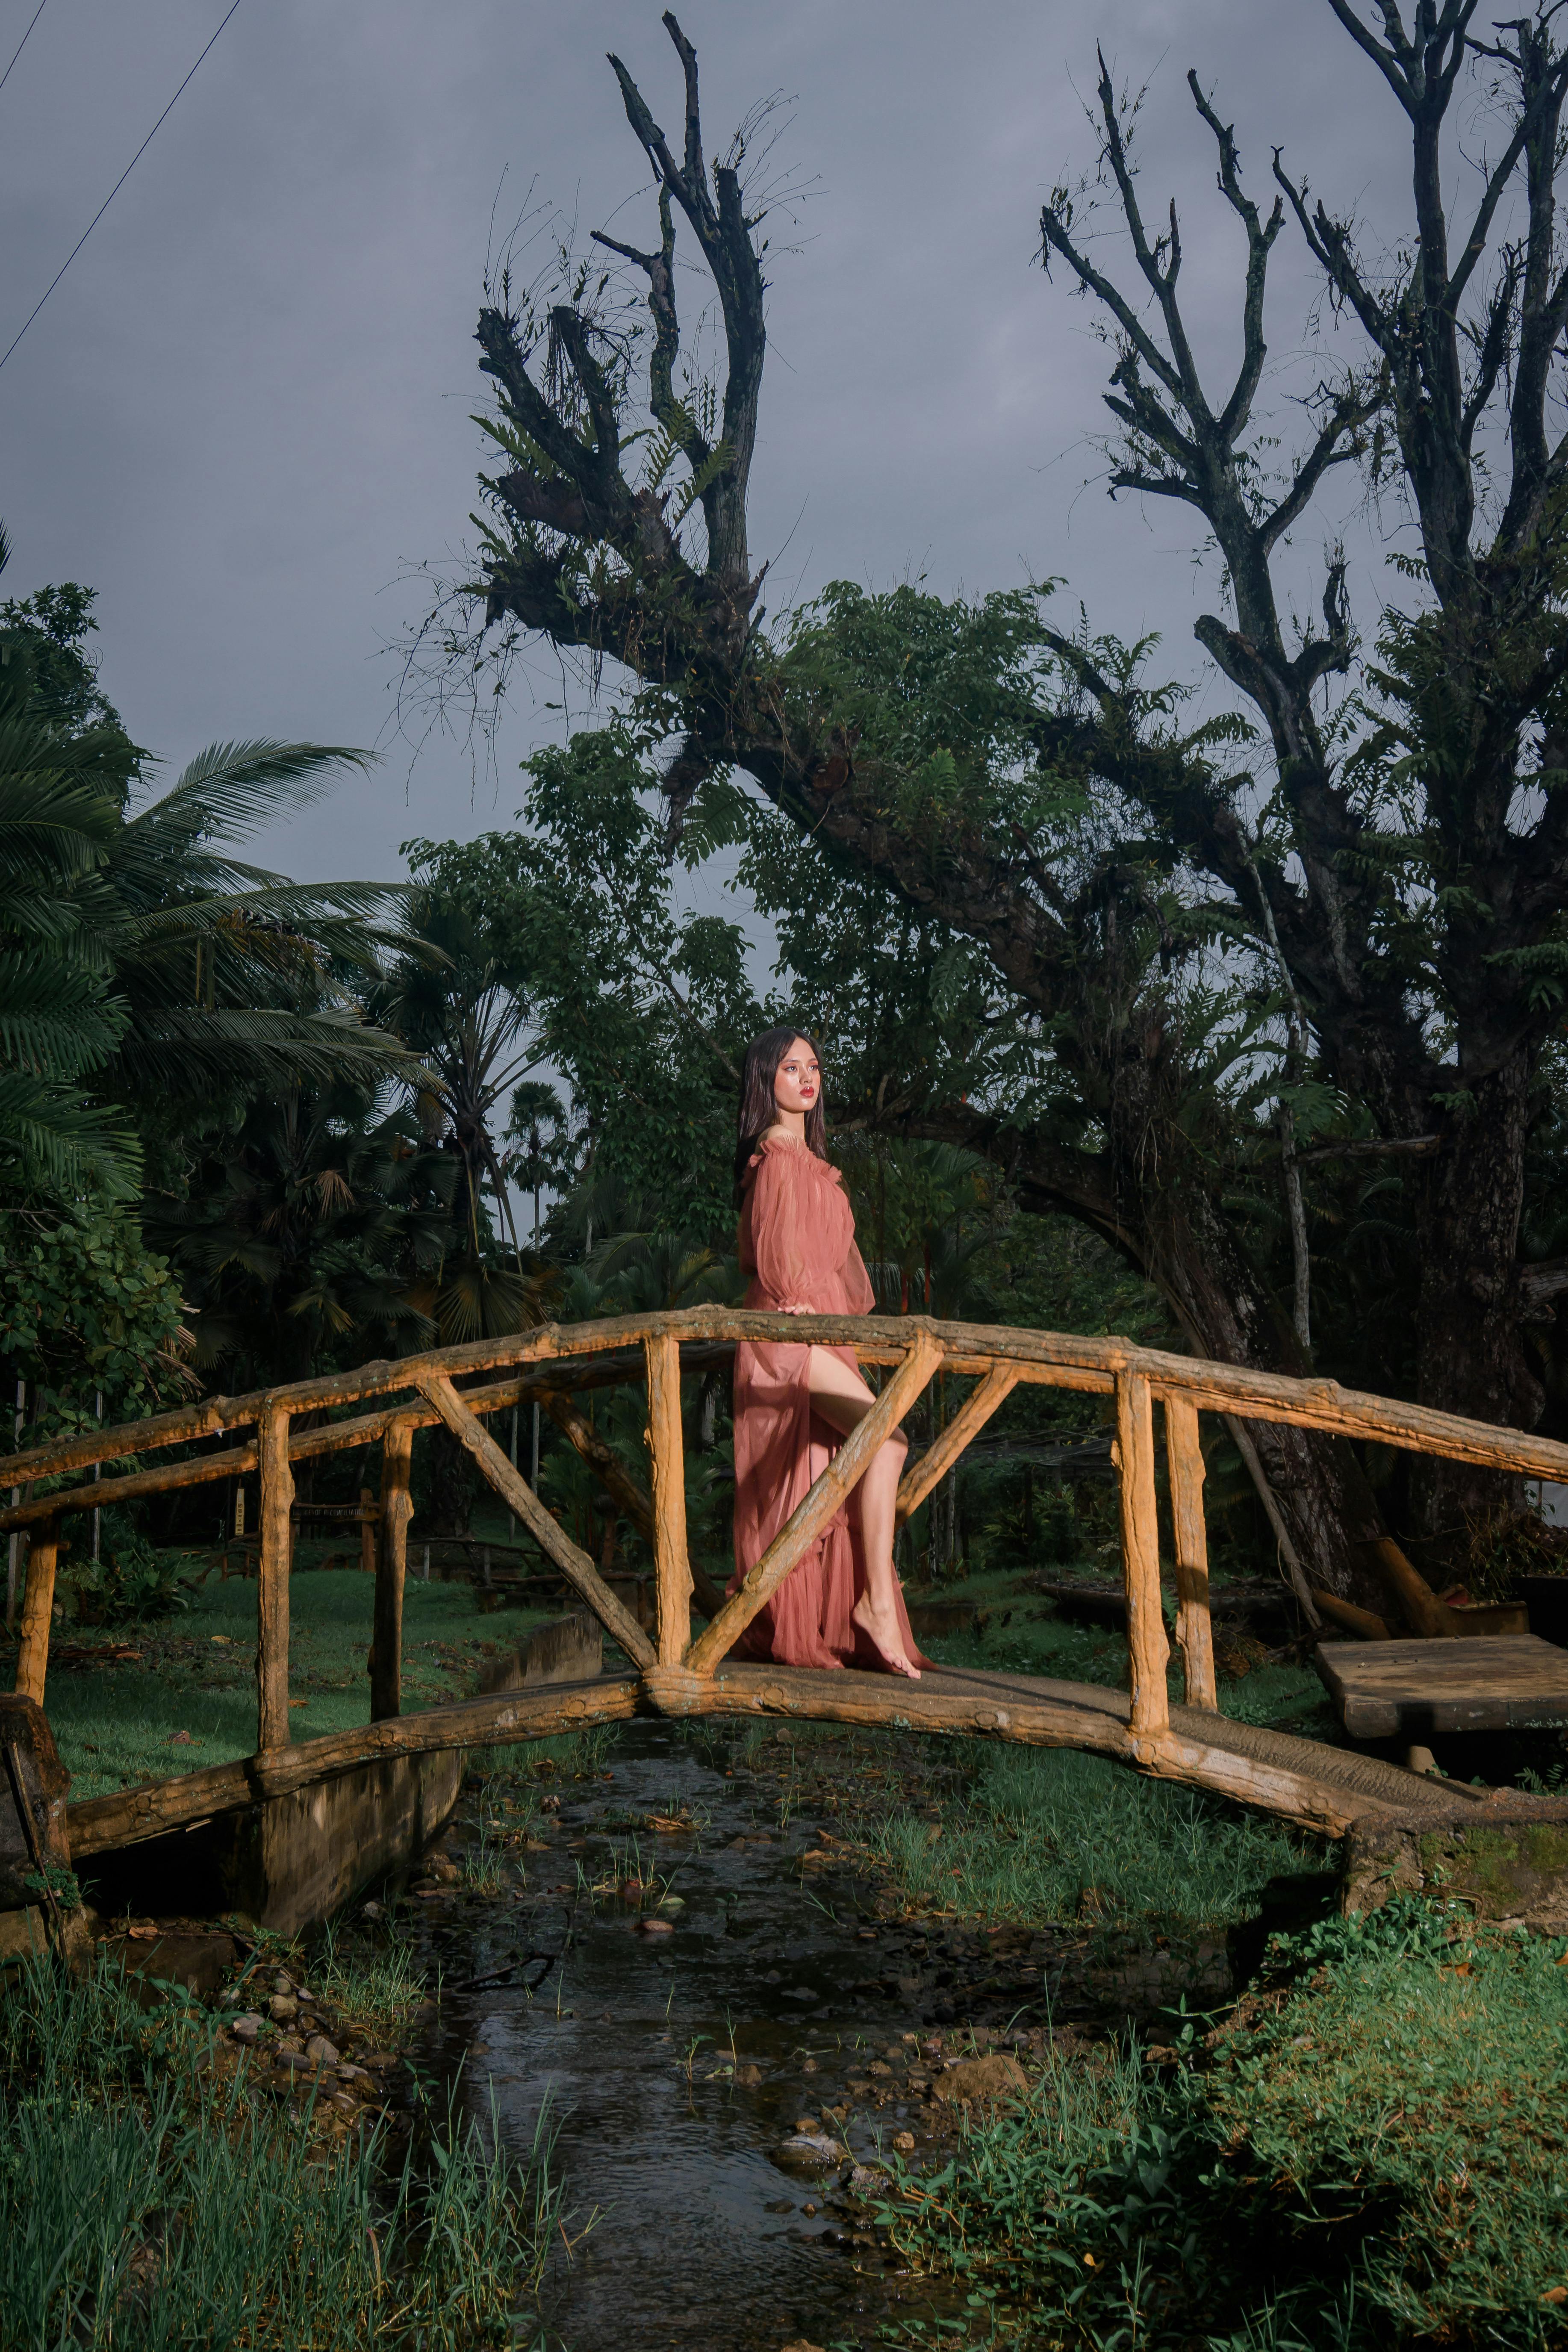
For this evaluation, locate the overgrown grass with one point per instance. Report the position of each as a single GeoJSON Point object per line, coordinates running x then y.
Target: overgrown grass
{"type": "Point", "coordinates": [146, 2203]}
{"type": "Point", "coordinates": [1048, 1833]}
{"type": "Point", "coordinates": [1372, 2156]}
{"type": "Point", "coordinates": [563, 1756]}
{"type": "Point", "coordinates": [193, 1700]}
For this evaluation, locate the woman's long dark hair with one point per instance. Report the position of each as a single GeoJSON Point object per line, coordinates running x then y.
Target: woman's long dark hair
{"type": "Point", "coordinates": [759, 1111]}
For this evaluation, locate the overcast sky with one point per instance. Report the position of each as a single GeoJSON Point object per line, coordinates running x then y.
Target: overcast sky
{"type": "Point", "coordinates": [244, 415]}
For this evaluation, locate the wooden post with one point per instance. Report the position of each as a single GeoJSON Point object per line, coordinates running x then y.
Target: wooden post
{"type": "Point", "coordinates": [367, 1543]}
{"type": "Point", "coordinates": [1194, 1639]}
{"type": "Point", "coordinates": [37, 1613]}
{"type": "Point", "coordinates": [1147, 1648]}
{"type": "Point", "coordinates": [275, 1522]}
{"type": "Point", "coordinates": [390, 1566]}
{"type": "Point", "coordinates": [667, 1455]}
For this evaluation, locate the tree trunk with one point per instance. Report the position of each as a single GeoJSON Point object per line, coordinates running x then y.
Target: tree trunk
{"type": "Point", "coordinates": [451, 1484]}
{"type": "Point", "coordinates": [1470, 1356]}
{"type": "Point", "coordinates": [1327, 1505]}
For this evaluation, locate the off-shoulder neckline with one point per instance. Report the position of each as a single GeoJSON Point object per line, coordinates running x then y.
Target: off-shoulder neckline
{"type": "Point", "coordinates": [793, 1143]}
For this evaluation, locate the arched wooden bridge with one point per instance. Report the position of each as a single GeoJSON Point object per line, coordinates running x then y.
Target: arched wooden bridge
{"type": "Point", "coordinates": [679, 1673]}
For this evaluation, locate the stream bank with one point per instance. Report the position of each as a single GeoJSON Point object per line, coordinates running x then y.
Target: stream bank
{"type": "Point", "coordinates": [686, 1969]}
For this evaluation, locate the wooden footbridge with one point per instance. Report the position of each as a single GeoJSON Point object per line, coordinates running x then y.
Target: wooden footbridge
{"type": "Point", "coordinates": [675, 1671]}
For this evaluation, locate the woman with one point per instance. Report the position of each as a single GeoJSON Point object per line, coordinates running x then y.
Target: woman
{"type": "Point", "coordinates": [794, 1405]}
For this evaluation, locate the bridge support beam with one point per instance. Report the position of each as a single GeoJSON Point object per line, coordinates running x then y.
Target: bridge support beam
{"type": "Point", "coordinates": [519, 1496]}
{"type": "Point", "coordinates": [1147, 1648]}
{"type": "Point", "coordinates": [277, 1530]}
{"type": "Point", "coordinates": [391, 1568]}
{"type": "Point", "coordinates": [1194, 1636]}
{"type": "Point", "coordinates": [667, 1455]}
{"type": "Point", "coordinates": [37, 1611]}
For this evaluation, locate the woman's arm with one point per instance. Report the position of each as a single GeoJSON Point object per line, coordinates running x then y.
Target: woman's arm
{"type": "Point", "coordinates": [857, 1283]}
{"type": "Point", "coordinates": [779, 1247]}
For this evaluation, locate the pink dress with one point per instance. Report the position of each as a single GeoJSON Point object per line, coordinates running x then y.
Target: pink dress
{"type": "Point", "coordinates": [797, 1244]}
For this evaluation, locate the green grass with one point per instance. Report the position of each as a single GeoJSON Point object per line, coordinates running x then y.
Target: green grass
{"type": "Point", "coordinates": [1372, 2157]}
{"type": "Point", "coordinates": [1043, 1834]}
{"type": "Point", "coordinates": [146, 2203]}
{"type": "Point", "coordinates": [118, 1725]}
{"type": "Point", "coordinates": [1035, 1641]}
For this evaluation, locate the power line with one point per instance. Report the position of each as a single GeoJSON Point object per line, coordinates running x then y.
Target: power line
{"type": "Point", "coordinates": [22, 44]}
{"type": "Point", "coordinates": [123, 176]}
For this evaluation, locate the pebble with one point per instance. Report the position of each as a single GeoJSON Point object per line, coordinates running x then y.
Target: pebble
{"type": "Point", "coordinates": [866, 2181]}
{"type": "Point", "coordinates": [996, 2080]}
{"type": "Point", "coordinates": [246, 2027]}
{"type": "Point", "coordinates": [904, 2142]}
{"type": "Point", "coordinates": [282, 2007]}
{"type": "Point", "coordinates": [321, 2051]}
{"type": "Point", "coordinates": [813, 2148]}
{"type": "Point", "coordinates": [747, 2077]}
{"type": "Point", "coordinates": [655, 1927]}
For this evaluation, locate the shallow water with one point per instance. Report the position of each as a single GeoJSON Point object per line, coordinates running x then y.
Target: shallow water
{"type": "Point", "coordinates": [633, 2041]}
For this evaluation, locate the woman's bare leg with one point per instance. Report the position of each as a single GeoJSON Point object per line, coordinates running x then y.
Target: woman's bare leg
{"type": "Point", "coordinates": [843, 1399]}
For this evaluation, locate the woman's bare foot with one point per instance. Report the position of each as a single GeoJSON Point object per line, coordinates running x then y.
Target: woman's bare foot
{"type": "Point", "coordinates": [881, 1627]}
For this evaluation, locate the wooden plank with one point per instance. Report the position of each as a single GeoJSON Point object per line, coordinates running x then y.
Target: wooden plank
{"type": "Point", "coordinates": [970, 1705]}
{"type": "Point", "coordinates": [667, 1457]}
{"type": "Point", "coordinates": [1365, 1622]}
{"type": "Point", "coordinates": [811, 1515]}
{"type": "Point", "coordinates": [1195, 1634]}
{"type": "Point", "coordinates": [1057, 1358]}
{"type": "Point", "coordinates": [276, 1532]}
{"type": "Point", "coordinates": [37, 1614]}
{"type": "Point", "coordinates": [519, 1497]}
{"type": "Point", "coordinates": [391, 1570]}
{"type": "Point", "coordinates": [966, 1425]}
{"type": "Point", "coordinates": [234, 1462]}
{"type": "Point", "coordinates": [1147, 1648]}
{"type": "Point", "coordinates": [1388, 1690]}
{"type": "Point", "coordinates": [128, 1816]}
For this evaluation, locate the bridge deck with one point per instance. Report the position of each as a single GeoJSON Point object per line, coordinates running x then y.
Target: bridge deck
{"type": "Point", "coordinates": [1318, 1787]}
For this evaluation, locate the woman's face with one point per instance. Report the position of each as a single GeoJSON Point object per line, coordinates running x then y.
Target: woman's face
{"type": "Point", "coordinates": [797, 1082]}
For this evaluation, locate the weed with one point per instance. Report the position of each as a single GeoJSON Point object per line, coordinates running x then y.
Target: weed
{"type": "Point", "coordinates": [146, 2203]}
{"type": "Point", "coordinates": [1044, 1829]}
{"type": "Point", "coordinates": [375, 1988]}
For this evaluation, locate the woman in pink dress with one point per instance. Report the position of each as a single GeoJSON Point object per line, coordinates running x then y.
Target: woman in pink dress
{"type": "Point", "coordinates": [842, 1604]}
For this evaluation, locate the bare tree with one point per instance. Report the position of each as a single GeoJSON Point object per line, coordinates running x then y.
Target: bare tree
{"type": "Point", "coordinates": [600, 559]}
{"type": "Point", "coordinates": [1416, 886]}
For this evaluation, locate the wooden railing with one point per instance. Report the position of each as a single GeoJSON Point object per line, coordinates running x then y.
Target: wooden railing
{"type": "Point", "coordinates": [550, 1364]}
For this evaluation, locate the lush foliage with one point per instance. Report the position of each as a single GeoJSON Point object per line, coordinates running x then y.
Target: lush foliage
{"type": "Point", "coordinates": [1367, 2157]}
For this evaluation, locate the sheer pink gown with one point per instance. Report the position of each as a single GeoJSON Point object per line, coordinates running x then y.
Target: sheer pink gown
{"type": "Point", "coordinates": [797, 1244]}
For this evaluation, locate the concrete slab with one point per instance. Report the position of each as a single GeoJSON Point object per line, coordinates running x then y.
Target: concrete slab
{"type": "Point", "coordinates": [291, 1861]}
{"type": "Point", "coordinates": [1394, 1690]}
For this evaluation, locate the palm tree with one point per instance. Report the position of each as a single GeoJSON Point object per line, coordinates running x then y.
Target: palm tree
{"type": "Point", "coordinates": [467, 1022]}
{"type": "Point", "coordinates": [307, 1231]}
{"type": "Point", "coordinates": [143, 967]}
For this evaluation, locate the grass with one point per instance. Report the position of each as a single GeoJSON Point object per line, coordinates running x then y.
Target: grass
{"type": "Point", "coordinates": [1370, 2157]}
{"type": "Point", "coordinates": [1035, 1641]}
{"type": "Point", "coordinates": [148, 2203]}
{"type": "Point", "coordinates": [192, 1700]}
{"type": "Point", "coordinates": [1046, 1834]}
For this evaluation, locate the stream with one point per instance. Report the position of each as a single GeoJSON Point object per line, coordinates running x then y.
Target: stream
{"type": "Point", "coordinates": [675, 2063]}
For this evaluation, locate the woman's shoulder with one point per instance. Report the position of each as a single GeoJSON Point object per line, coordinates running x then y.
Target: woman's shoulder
{"type": "Point", "coordinates": [792, 1151]}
